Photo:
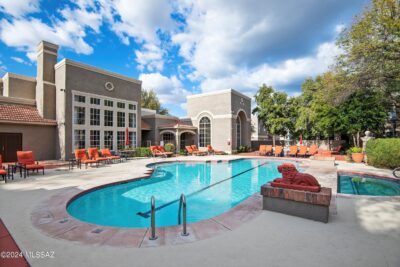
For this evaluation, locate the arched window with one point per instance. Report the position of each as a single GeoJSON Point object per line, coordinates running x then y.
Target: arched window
{"type": "Point", "coordinates": [238, 132]}
{"type": "Point", "coordinates": [204, 132]}
{"type": "Point", "coordinates": [168, 138]}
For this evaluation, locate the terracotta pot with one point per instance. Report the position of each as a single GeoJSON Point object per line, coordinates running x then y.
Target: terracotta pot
{"type": "Point", "coordinates": [357, 157]}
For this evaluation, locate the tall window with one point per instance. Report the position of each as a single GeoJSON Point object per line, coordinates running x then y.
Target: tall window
{"type": "Point", "coordinates": [79, 115]}
{"type": "Point", "coordinates": [94, 138]}
{"type": "Point", "coordinates": [108, 139]}
{"type": "Point", "coordinates": [238, 132]}
{"type": "Point", "coordinates": [204, 132]}
{"type": "Point", "coordinates": [120, 139]}
{"type": "Point", "coordinates": [108, 118]}
{"type": "Point", "coordinates": [132, 120]}
{"type": "Point", "coordinates": [94, 116]}
{"type": "Point", "coordinates": [132, 139]}
{"type": "Point", "coordinates": [79, 138]}
{"type": "Point", "coordinates": [120, 119]}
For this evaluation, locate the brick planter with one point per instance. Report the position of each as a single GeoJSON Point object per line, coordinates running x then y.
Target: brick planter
{"type": "Point", "coordinates": [309, 205]}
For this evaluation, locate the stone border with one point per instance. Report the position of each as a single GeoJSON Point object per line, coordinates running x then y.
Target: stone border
{"type": "Point", "coordinates": [372, 175]}
{"type": "Point", "coordinates": [52, 218]}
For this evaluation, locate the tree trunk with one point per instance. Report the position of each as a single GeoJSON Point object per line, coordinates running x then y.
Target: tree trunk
{"type": "Point", "coordinates": [273, 140]}
{"type": "Point", "coordinates": [354, 140]}
{"type": "Point", "coordinates": [358, 139]}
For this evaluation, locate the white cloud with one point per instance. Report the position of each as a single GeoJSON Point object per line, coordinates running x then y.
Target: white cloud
{"type": "Point", "coordinates": [150, 57]}
{"type": "Point", "coordinates": [169, 89]}
{"type": "Point", "coordinates": [19, 8]}
{"type": "Point", "coordinates": [278, 75]}
{"type": "Point", "coordinates": [20, 60]}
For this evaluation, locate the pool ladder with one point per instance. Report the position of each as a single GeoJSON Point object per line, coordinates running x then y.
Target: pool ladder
{"type": "Point", "coordinates": [182, 206]}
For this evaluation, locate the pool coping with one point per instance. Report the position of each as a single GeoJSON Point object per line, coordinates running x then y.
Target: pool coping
{"type": "Point", "coordinates": [369, 174]}
{"type": "Point", "coordinates": [51, 218]}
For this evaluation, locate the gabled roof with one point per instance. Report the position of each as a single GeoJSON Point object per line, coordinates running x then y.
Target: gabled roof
{"type": "Point", "coordinates": [23, 115]}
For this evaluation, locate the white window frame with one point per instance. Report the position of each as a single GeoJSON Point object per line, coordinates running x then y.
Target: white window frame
{"type": "Point", "coordinates": [87, 127]}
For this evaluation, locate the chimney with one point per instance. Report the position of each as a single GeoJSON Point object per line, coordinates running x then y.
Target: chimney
{"type": "Point", "coordinates": [45, 80]}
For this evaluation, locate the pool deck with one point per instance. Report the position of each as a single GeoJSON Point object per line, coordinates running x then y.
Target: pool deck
{"type": "Point", "coordinates": [363, 231]}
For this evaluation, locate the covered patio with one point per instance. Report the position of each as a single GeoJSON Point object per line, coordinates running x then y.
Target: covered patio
{"type": "Point", "coordinates": [179, 134]}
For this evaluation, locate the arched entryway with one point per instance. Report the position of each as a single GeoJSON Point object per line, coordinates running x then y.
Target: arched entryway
{"type": "Point", "coordinates": [168, 137]}
{"type": "Point", "coordinates": [241, 128]}
{"type": "Point", "coordinates": [187, 138]}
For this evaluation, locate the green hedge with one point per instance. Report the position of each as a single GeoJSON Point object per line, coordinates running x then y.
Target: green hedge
{"type": "Point", "coordinates": [142, 152]}
{"type": "Point", "coordinates": [384, 153]}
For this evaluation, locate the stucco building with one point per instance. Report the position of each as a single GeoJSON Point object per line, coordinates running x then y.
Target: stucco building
{"type": "Point", "coordinates": [71, 105]}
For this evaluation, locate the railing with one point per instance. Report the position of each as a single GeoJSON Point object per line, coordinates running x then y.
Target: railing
{"type": "Point", "coordinates": [153, 219]}
{"type": "Point", "coordinates": [182, 203]}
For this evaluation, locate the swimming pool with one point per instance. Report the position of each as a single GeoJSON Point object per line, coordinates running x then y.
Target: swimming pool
{"type": "Point", "coordinates": [211, 189]}
{"type": "Point", "coordinates": [370, 186]}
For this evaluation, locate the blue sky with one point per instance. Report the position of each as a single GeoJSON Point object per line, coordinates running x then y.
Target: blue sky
{"type": "Point", "coordinates": [182, 47]}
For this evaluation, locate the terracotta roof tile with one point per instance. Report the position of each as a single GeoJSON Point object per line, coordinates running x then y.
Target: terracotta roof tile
{"type": "Point", "coordinates": [22, 114]}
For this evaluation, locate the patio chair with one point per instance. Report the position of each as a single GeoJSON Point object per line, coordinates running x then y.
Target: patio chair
{"type": "Point", "coordinates": [292, 151]}
{"type": "Point", "coordinates": [105, 152]}
{"type": "Point", "coordinates": [278, 151]}
{"type": "Point", "coordinates": [302, 151]}
{"type": "Point", "coordinates": [211, 150]}
{"type": "Point", "coordinates": [162, 150]}
{"type": "Point", "coordinates": [93, 153]}
{"type": "Point", "coordinates": [3, 172]}
{"type": "Point", "coordinates": [313, 150]}
{"type": "Point", "coordinates": [190, 151]}
{"type": "Point", "coordinates": [81, 157]}
{"type": "Point", "coordinates": [268, 149]}
{"type": "Point", "coordinates": [262, 150]}
{"type": "Point", "coordinates": [26, 162]}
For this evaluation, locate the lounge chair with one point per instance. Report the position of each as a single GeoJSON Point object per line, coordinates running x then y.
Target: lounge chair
{"type": "Point", "coordinates": [105, 152]}
{"type": "Point", "coordinates": [159, 151]}
{"type": "Point", "coordinates": [81, 157]}
{"type": "Point", "coordinates": [164, 152]}
{"type": "Point", "coordinates": [292, 151]}
{"type": "Point", "coordinates": [211, 150]}
{"type": "Point", "coordinates": [3, 172]}
{"type": "Point", "coordinates": [313, 150]}
{"type": "Point", "coordinates": [278, 151]}
{"type": "Point", "coordinates": [262, 150]}
{"type": "Point", "coordinates": [268, 149]}
{"type": "Point", "coordinates": [302, 151]}
{"type": "Point", "coordinates": [27, 162]}
{"type": "Point", "coordinates": [93, 153]}
{"type": "Point", "coordinates": [191, 151]}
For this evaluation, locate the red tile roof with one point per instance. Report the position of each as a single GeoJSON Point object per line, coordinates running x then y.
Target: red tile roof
{"type": "Point", "coordinates": [22, 114]}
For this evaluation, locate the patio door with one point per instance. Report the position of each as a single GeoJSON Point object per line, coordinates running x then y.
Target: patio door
{"type": "Point", "coordinates": [10, 143]}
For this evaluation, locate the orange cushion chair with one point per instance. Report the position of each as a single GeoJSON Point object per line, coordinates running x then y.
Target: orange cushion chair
{"type": "Point", "coordinates": [313, 150]}
{"type": "Point", "coordinates": [93, 153]}
{"type": "Point", "coordinates": [81, 157]}
{"type": "Point", "coordinates": [3, 172]}
{"type": "Point", "coordinates": [26, 162]}
{"type": "Point", "coordinates": [211, 150]}
{"type": "Point", "coordinates": [302, 151]}
{"type": "Point", "coordinates": [105, 152]}
{"type": "Point", "coordinates": [278, 151]}
{"type": "Point", "coordinates": [292, 151]}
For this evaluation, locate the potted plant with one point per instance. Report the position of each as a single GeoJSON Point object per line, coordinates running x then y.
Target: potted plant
{"type": "Point", "coordinates": [356, 154]}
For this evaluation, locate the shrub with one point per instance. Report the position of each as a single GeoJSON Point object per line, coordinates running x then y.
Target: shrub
{"type": "Point", "coordinates": [384, 152]}
{"type": "Point", "coordinates": [243, 149]}
{"type": "Point", "coordinates": [169, 147]}
{"type": "Point", "coordinates": [143, 152]}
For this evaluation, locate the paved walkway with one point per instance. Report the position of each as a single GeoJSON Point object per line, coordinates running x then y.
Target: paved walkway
{"type": "Point", "coordinates": [362, 231]}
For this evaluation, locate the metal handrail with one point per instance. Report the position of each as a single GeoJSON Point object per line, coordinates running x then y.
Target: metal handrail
{"type": "Point", "coordinates": [153, 219]}
{"type": "Point", "coordinates": [182, 202]}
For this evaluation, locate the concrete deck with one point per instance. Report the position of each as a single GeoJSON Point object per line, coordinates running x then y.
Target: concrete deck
{"type": "Point", "coordinates": [361, 232]}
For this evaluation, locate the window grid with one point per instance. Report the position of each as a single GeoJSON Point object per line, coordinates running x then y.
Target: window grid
{"type": "Point", "coordinates": [94, 101]}
{"type": "Point", "coordinates": [120, 119]}
{"type": "Point", "coordinates": [132, 139]}
{"type": "Point", "coordinates": [108, 139]}
{"type": "Point", "coordinates": [108, 103]}
{"type": "Point", "coordinates": [108, 118]}
{"type": "Point", "coordinates": [95, 116]}
{"type": "Point", "coordinates": [168, 138]}
{"type": "Point", "coordinates": [79, 115]}
{"type": "Point", "coordinates": [120, 140]}
{"type": "Point", "coordinates": [79, 98]}
{"type": "Point", "coordinates": [204, 132]}
{"type": "Point", "coordinates": [95, 138]}
{"type": "Point", "coordinates": [79, 137]}
{"type": "Point", "coordinates": [132, 107]}
{"type": "Point", "coordinates": [120, 105]}
{"type": "Point", "coordinates": [132, 120]}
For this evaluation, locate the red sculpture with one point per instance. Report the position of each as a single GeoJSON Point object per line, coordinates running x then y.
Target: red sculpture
{"type": "Point", "coordinates": [293, 179]}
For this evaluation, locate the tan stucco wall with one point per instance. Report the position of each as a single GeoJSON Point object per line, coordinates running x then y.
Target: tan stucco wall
{"type": "Point", "coordinates": [222, 109]}
{"type": "Point", "coordinates": [38, 138]}
{"type": "Point", "coordinates": [19, 86]}
{"type": "Point", "coordinates": [75, 78]}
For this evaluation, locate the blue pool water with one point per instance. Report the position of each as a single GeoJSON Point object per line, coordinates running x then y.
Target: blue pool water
{"type": "Point", "coordinates": [364, 185]}
{"type": "Point", "coordinates": [225, 185]}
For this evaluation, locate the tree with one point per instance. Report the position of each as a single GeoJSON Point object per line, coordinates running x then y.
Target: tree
{"type": "Point", "coordinates": [272, 109]}
{"type": "Point", "coordinates": [371, 58]}
{"type": "Point", "coordinates": [151, 101]}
